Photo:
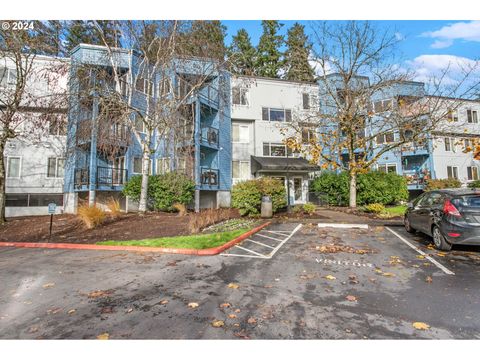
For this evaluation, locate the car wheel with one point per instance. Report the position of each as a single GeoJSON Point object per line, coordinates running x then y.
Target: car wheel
{"type": "Point", "coordinates": [407, 225]}
{"type": "Point", "coordinates": [439, 240]}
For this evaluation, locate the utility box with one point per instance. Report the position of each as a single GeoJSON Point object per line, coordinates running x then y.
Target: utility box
{"type": "Point", "coordinates": [266, 208]}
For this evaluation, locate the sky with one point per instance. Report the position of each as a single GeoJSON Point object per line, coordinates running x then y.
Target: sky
{"type": "Point", "coordinates": [426, 46]}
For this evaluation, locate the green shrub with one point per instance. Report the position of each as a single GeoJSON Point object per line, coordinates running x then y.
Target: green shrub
{"type": "Point", "coordinates": [474, 184]}
{"type": "Point", "coordinates": [247, 195]}
{"type": "Point", "coordinates": [372, 187]}
{"type": "Point", "coordinates": [436, 184]}
{"type": "Point", "coordinates": [297, 209]}
{"type": "Point", "coordinates": [309, 208]}
{"type": "Point", "coordinates": [163, 190]}
{"type": "Point", "coordinates": [374, 208]}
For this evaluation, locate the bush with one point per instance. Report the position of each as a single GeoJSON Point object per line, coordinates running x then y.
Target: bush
{"type": "Point", "coordinates": [247, 195]}
{"type": "Point", "coordinates": [297, 209]}
{"type": "Point", "coordinates": [114, 208]}
{"type": "Point", "coordinates": [309, 208]}
{"type": "Point", "coordinates": [204, 218]}
{"type": "Point", "coordinates": [438, 184]}
{"type": "Point", "coordinates": [372, 187]}
{"type": "Point", "coordinates": [374, 208]}
{"type": "Point", "coordinates": [91, 216]}
{"type": "Point", "coordinates": [474, 184]}
{"type": "Point", "coordinates": [163, 190]}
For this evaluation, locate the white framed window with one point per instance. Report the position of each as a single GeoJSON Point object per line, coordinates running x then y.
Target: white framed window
{"type": "Point", "coordinates": [239, 96]}
{"type": "Point", "coordinates": [386, 138]}
{"type": "Point", "coordinates": [467, 144]}
{"type": "Point", "coordinates": [144, 86]}
{"type": "Point", "coordinates": [276, 149]}
{"type": "Point", "coordinates": [450, 144]}
{"type": "Point", "coordinates": [8, 77]}
{"type": "Point", "coordinates": [382, 105]}
{"type": "Point", "coordinates": [387, 168]}
{"type": "Point", "coordinates": [472, 173]}
{"type": "Point", "coordinates": [13, 166]}
{"type": "Point", "coordinates": [240, 133]}
{"type": "Point", "coordinates": [57, 125]}
{"type": "Point", "coordinates": [164, 87]}
{"type": "Point", "coordinates": [163, 165]}
{"type": "Point", "coordinates": [306, 101]}
{"type": "Point", "coordinates": [240, 169]}
{"type": "Point", "coordinates": [277, 115]}
{"type": "Point", "coordinates": [55, 167]}
{"type": "Point", "coordinates": [452, 172]}
{"type": "Point", "coordinates": [472, 116]}
{"type": "Point", "coordinates": [139, 124]}
{"type": "Point", "coordinates": [308, 135]}
{"type": "Point", "coordinates": [137, 165]}
{"type": "Point", "coordinates": [452, 115]}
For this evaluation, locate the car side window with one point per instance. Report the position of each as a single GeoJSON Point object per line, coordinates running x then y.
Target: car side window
{"type": "Point", "coordinates": [425, 201]}
{"type": "Point", "coordinates": [437, 199]}
{"type": "Point", "coordinates": [418, 199]}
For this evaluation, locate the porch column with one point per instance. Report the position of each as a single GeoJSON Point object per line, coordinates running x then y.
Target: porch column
{"type": "Point", "coordinates": [92, 173]}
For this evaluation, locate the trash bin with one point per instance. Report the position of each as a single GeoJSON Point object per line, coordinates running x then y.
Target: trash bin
{"type": "Point", "coordinates": [266, 208]}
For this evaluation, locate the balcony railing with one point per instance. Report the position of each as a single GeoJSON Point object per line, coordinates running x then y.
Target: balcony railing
{"type": "Point", "coordinates": [210, 136]}
{"type": "Point", "coordinates": [210, 94]}
{"type": "Point", "coordinates": [412, 147]}
{"type": "Point", "coordinates": [81, 177]}
{"type": "Point", "coordinates": [107, 176]}
{"type": "Point", "coordinates": [209, 176]}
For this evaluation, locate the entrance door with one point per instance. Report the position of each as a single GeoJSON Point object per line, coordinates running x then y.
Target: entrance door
{"type": "Point", "coordinates": [118, 171]}
{"type": "Point", "coordinates": [298, 189]}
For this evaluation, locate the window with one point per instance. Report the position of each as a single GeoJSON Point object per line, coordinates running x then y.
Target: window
{"type": "Point", "coordinates": [45, 199]}
{"type": "Point", "coordinates": [308, 135]}
{"type": "Point", "coordinates": [276, 149]}
{"type": "Point", "coordinates": [448, 144]}
{"type": "Point", "coordinates": [56, 168]}
{"type": "Point", "coordinates": [163, 165]}
{"type": "Point", "coordinates": [382, 105]}
{"type": "Point", "coordinates": [280, 115]}
{"type": "Point", "coordinates": [137, 165]}
{"type": "Point", "coordinates": [145, 86]}
{"type": "Point", "coordinates": [452, 172]}
{"type": "Point", "coordinates": [472, 173]}
{"type": "Point", "coordinates": [240, 169]}
{"type": "Point", "coordinates": [306, 101]}
{"type": "Point", "coordinates": [57, 126]}
{"type": "Point", "coordinates": [139, 124]}
{"type": "Point", "coordinates": [16, 200]}
{"type": "Point", "coordinates": [8, 76]}
{"type": "Point", "coordinates": [239, 96]}
{"type": "Point", "coordinates": [385, 138]}
{"type": "Point", "coordinates": [472, 116]}
{"type": "Point", "coordinates": [387, 168]}
{"type": "Point", "coordinates": [452, 115]}
{"type": "Point", "coordinates": [164, 87]}
{"type": "Point", "coordinates": [240, 133]}
{"type": "Point", "coordinates": [13, 167]}
{"type": "Point", "coordinates": [468, 144]}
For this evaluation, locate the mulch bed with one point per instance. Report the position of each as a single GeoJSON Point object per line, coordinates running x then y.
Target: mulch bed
{"type": "Point", "coordinates": [358, 212]}
{"type": "Point", "coordinates": [68, 229]}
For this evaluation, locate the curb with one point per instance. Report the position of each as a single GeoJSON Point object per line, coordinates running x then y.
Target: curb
{"type": "Point", "coordinates": [199, 252]}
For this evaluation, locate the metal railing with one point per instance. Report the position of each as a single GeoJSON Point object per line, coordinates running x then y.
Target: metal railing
{"type": "Point", "coordinates": [209, 176]}
{"type": "Point", "coordinates": [81, 177]}
{"type": "Point", "coordinates": [412, 147]}
{"type": "Point", "coordinates": [209, 93]}
{"type": "Point", "coordinates": [108, 176]}
{"type": "Point", "coordinates": [210, 136]}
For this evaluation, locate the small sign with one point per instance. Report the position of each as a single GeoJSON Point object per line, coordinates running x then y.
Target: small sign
{"type": "Point", "coordinates": [51, 208]}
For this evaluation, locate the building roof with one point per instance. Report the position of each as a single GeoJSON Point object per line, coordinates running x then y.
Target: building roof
{"type": "Point", "coordinates": [282, 164]}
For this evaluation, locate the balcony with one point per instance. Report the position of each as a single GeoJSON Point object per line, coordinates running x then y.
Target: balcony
{"type": "Point", "coordinates": [416, 178]}
{"type": "Point", "coordinates": [209, 137]}
{"type": "Point", "coordinates": [209, 177]}
{"type": "Point", "coordinates": [410, 149]}
{"type": "Point", "coordinates": [209, 94]}
{"type": "Point", "coordinates": [106, 177]}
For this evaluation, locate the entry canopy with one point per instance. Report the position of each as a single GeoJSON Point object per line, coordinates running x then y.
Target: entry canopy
{"type": "Point", "coordinates": [264, 164]}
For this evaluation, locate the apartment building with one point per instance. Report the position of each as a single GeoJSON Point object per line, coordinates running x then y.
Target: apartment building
{"type": "Point", "coordinates": [261, 111]}
{"type": "Point", "coordinates": [96, 172]}
{"type": "Point", "coordinates": [35, 159]}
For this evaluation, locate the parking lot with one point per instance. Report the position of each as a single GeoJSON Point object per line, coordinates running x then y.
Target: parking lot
{"type": "Point", "coordinates": [320, 283]}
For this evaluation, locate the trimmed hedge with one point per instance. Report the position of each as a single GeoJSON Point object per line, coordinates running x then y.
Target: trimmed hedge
{"type": "Point", "coordinates": [163, 190]}
{"type": "Point", "coordinates": [372, 187]}
{"type": "Point", "coordinates": [438, 184]}
{"type": "Point", "coordinates": [247, 195]}
{"type": "Point", "coordinates": [474, 184]}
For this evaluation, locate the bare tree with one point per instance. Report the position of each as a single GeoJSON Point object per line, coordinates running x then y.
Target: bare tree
{"type": "Point", "coordinates": [362, 115]}
{"type": "Point", "coordinates": [165, 80]}
{"type": "Point", "coordinates": [32, 93]}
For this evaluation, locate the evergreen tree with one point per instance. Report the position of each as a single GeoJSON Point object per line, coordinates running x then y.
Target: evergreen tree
{"type": "Point", "coordinates": [50, 33]}
{"type": "Point", "coordinates": [206, 39]}
{"type": "Point", "coordinates": [298, 49]}
{"type": "Point", "coordinates": [269, 56]}
{"type": "Point", "coordinates": [80, 31]}
{"type": "Point", "coordinates": [241, 54]}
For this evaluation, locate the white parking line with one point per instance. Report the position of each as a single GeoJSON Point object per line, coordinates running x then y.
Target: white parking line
{"type": "Point", "coordinates": [251, 251]}
{"type": "Point", "coordinates": [268, 237]}
{"type": "Point", "coordinates": [259, 243]}
{"type": "Point", "coordinates": [428, 257]}
{"type": "Point", "coordinates": [278, 232]}
{"type": "Point", "coordinates": [269, 256]}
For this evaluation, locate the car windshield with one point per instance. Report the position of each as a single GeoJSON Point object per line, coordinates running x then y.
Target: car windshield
{"type": "Point", "coordinates": [470, 201]}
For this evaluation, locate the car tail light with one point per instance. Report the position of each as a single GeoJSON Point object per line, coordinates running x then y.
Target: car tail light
{"type": "Point", "coordinates": [451, 234]}
{"type": "Point", "coordinates": [450, 209]}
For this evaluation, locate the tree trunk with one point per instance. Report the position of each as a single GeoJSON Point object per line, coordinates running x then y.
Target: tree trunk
{"type": "Point", "coordinates": [142, 207]}
{"type": "Point", "coordinates": [353, 189]}
{"type": "Point", "coordinates": [2, 184]}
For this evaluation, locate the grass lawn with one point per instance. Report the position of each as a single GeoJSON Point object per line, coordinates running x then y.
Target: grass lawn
{"type": "Point", "coordinates": [201, 241]}
{"type": "Point", "coordinates": [396, 210]}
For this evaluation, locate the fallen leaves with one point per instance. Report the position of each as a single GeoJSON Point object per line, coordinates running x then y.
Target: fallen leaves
{"type": "Point", "coordinates": [72, 311]}
{"type": "Point", "coordinates": [218, 323]}
{"type": "Point", "coordinates": [351, 298]}
{"type": "Point", "coordinates": [421, 257]}
{"type": "Point", "coordinates": [233, 286]}
{"type": "Point", "coordinates": [163, 302]}
{"type": "Point", "coordinates": [129, 310]}
{"type": "Point", "coordinates": [353, 279]}
{"type": "Point", "coordinates": [192, 305]}
{"type": "Point", "coordinates": [104, 336]}
{"type": "Point", "coordinates": [388, 274]}
{"type": "Point", "coordinates": [421, 326]}
{"type": "Point", "coordinates": [441, 254]}
{"type": "Point", "coordinates": [335, 248]}
{"type": "Point", "coordinates": [428, 279]}
{"type": "Point", "coordinates": [99, 293]}
{"type": "Point", "coordinates": [394, 260]}
{"type": "Point", "coordinates": [330, 277]}
{"type": "Point", "coordinates": [232, 316]}
{"type": "Point", "coordinates": [225, 305]}
{"type": "Point", "coordinates": [252, 320]}
{"type": "Point", "coordinates": [48, 286]}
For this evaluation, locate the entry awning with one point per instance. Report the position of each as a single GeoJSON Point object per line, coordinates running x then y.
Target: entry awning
{"type": "Point", "coordinates": [265, 164]}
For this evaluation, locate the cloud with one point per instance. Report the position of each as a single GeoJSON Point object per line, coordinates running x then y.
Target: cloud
{"type": "Point", "coordinates": [444, 37]}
